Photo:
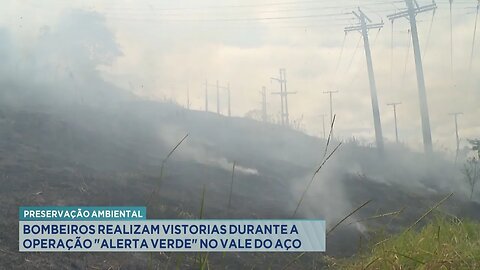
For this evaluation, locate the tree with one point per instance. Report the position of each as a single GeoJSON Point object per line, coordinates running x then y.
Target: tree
{"type": "Point", "coordinates": [475, 146]}
{"type": "Point", "coordinates": [471, 168]}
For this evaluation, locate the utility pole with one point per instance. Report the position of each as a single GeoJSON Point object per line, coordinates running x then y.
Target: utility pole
{"type": "Point", "coordinates": [455, 115]}
{"type": "Point", "coordinates": [206, 95]}
{"type": "Point", "coordinates": [394, 105]}
{"type": "Point", "coordinates": [286, 94]}
{"type": "Point", "coordinates": [331, 104]}
{"type": "Point", "coordinates": [283, 96]}
{"type": "Point", "coordinates": [364, 27]}
{"type": "Point", "coordinates": [264, 103]}
{"type": "Point", "coordinates": [282, 113]}
{"type": "Point", "coordinates": [410, 14]}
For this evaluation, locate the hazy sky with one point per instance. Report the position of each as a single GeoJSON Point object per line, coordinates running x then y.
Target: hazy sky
{"type": "Point", "coordinates": [168, 46]}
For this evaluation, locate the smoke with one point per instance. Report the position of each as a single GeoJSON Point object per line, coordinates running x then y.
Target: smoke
{"type": "Point", "coordinates": [63, 66]}
{"type": "Point", "coordinates": [310, 55]}
{"type": "Point", "coordinates": [358, 173]}
{"type": "Point", "coordinates": [201, 151]}
{"type": "Point", "coordinates": [171, 56]}
{"type": "Point", "coordinates": [59, 66]}
{"type": "Point", "coordinates": [65, 87]}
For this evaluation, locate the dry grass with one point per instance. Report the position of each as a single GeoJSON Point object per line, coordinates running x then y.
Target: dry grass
{"type": "Point", "coordinates": [444, 243]}
{"type": "Point", "coordinates": [325, 158]}
{"type": "Point", "coordinates": [162, 168]}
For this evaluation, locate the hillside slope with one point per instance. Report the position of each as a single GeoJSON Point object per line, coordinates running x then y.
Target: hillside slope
{"type": "Point", "coordinates": [110, 155]}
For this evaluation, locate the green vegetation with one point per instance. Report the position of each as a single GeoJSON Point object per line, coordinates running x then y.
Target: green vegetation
{"type": "Point", "coordinates": [471, 168]}
{"type": "Point", "coordinates": [444, 243]}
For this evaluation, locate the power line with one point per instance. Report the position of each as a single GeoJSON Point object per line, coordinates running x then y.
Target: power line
{"type": "Point", "coordinates": [340, 56]}
{"type": "Point", "coordinates": [252, 19]}
{"type": "Point", "coordinates": [272, 4]}
{"type": "Point", "coordinates": [474, 35]}
{"type": "Point", "coordinates": [354, 54]}
{"type": "Point", "coordinates": [406, 59]}
{"type": "Point", "coordinates": [429, 33]}
{"type": "Point", "coordinates": [158, 11]}
{"type": "Point", "coordinates": [391, 58]}
{"type": "Point", "coordinates": [451, 41]}
{"type": "Point", "coordinates": [335, 16]}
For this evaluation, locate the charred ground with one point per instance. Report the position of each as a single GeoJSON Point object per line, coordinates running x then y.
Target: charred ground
{"type": "Point", "coordinates": [111, 155]}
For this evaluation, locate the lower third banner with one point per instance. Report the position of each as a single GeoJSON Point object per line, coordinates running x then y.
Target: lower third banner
{"type": "Point", "coordinates": [172, 235]}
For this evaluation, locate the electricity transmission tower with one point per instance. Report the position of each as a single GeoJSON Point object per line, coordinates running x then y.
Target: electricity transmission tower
{"type": "Point", "coordinates": [283, 96]}
{"type": "Point", "coordinates": [455, 116]}
{"type": "Point", "coordinates": [363, 27]}
{"type": "Point", "coordinates": [218, 87]}
{"type": "Point", "coordinates": [412, 10]}
{"type": "Point", "coordinates": [264, 103]}
{"type": "Point", "coordinates": [394, 105]}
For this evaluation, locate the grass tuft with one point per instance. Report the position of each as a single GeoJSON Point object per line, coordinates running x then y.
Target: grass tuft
{"type": "Point", "coordinates": [164, 161]}
{"type": "Point", "coordinates": [444, 243]}
{"type": "Point", "coordinates": [231, 186]}
{"type": "Point", "coordinates": [325, 158]}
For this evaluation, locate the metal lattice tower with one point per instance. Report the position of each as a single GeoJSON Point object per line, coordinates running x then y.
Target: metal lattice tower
{"type": "Point", "coordinates": [283, 96]}
{"type": "Point", "coordinates": [217, 87]}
